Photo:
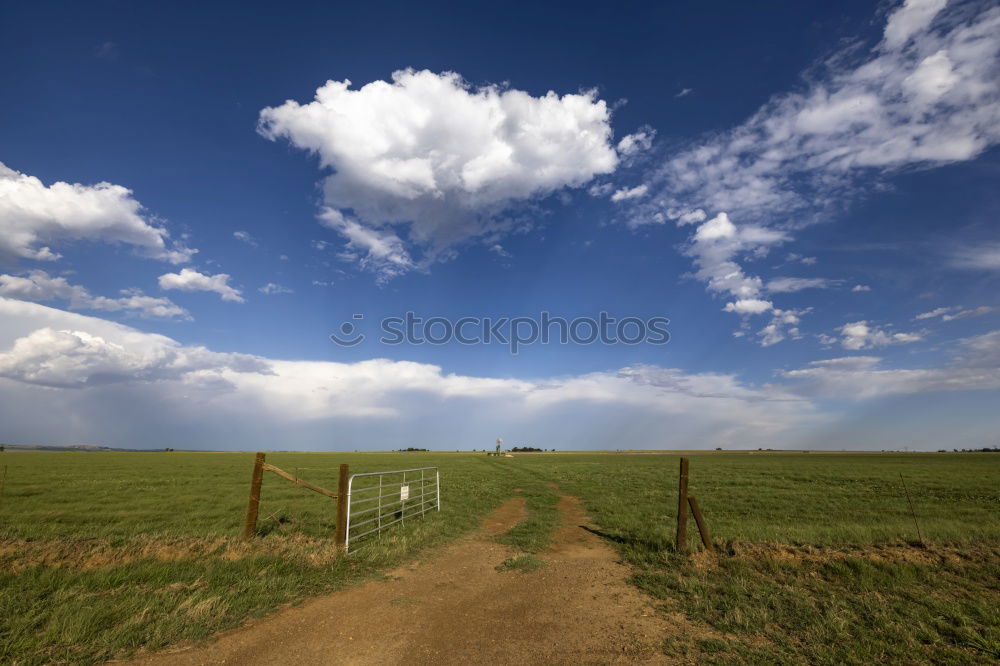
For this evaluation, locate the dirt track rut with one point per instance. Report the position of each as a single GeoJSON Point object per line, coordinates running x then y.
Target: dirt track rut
{"type": "Point", "coordinates": [455, 607]}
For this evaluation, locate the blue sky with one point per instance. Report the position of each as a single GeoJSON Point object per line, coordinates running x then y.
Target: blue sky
{"type": "Point", "coordinates": [193, 198]}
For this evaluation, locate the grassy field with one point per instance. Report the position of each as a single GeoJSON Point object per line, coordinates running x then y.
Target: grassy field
{"type": "Point", "coordinates": [819, 560]}
{"type": "Point", "coordinates": [101, 554]}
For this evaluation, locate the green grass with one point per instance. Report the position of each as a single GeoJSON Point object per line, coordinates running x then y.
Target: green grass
{"type": "Point", "coordinates": [101, 554]}
{"type": "Point", "coordinates": [832, 593]}
{"type": "Point", "coordinates": [811, 498]}
{"type": "Point", "coordinates": [844, 611]}
{"type": "Point", "coordinates": [534, 533]}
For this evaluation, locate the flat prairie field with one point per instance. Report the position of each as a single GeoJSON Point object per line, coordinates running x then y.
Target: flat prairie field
{"type": "Point", "coordinates": [818, 557]}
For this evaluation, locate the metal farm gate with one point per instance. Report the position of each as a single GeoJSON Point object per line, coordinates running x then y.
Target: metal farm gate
{"type": "Point", "coordinates": [377, 500]}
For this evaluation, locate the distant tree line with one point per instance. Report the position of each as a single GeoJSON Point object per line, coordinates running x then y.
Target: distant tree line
{"type": "Point", "coordinates": [985, 449]}
{"type": "Point", "coordinates": [410, 448]}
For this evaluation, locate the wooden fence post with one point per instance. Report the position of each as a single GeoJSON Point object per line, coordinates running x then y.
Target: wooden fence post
{"type": "Point", "coordinates": [682, 505]}
{"type": "Point", "coordinates": [342, 501]}
{"type": "Point", "coordinates": [250, 527]}
{"type": "Point", "coordinates": [706, 538]}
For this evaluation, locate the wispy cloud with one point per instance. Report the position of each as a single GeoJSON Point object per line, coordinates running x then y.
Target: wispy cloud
{"type": "Point", "coordinates": [926, 95]}
{"type": "Point", "coordinates": [937, 312]}
{"type": "Point", "coordinates": [273, 288]}
{"type": "Point", "coordinates": [637, 142]}
{"type": "Point", "coordinates": [245, 237]}
{"type": "Point", "coordinates": [38, 285]}
{"type": "Point", "coordinates": [981, 257]}
{"type": "Point", "coordinates": [975, 365]}
{"type": "Point", "coordinates": [783, 285]}
{"type": "Point", "coordinates": [107, 51]}
{"type": "Point", "coordinates": [951, 313]}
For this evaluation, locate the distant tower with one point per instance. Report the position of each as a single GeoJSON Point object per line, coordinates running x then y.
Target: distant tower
{"type": "Point", "coordinates": [499, 444]}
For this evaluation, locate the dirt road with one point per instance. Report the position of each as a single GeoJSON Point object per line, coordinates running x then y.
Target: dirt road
{"type": "Point", "coordinates": [455, 607]}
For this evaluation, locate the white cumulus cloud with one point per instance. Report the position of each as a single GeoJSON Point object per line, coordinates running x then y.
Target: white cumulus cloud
{"type": "Point", "coordinates": [35, 219]}
{"type": "Point", "coordinates": [191, 280]}
{"type": "Point", "coordinates": [73, 359]}
{"type": "Point", "coordinates": [748, 306]}
{"type": "Point", "coordinates": [49, 347]}
{"type": "Point", "coordinates": [432, 159]}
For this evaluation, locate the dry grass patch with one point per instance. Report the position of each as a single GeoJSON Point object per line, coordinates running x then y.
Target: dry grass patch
{"type": "Point", "coordinates": [896, 553]}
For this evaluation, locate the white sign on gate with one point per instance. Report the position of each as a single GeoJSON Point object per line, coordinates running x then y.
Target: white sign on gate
{"type": "Point", "coordinates": [404, 493]}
